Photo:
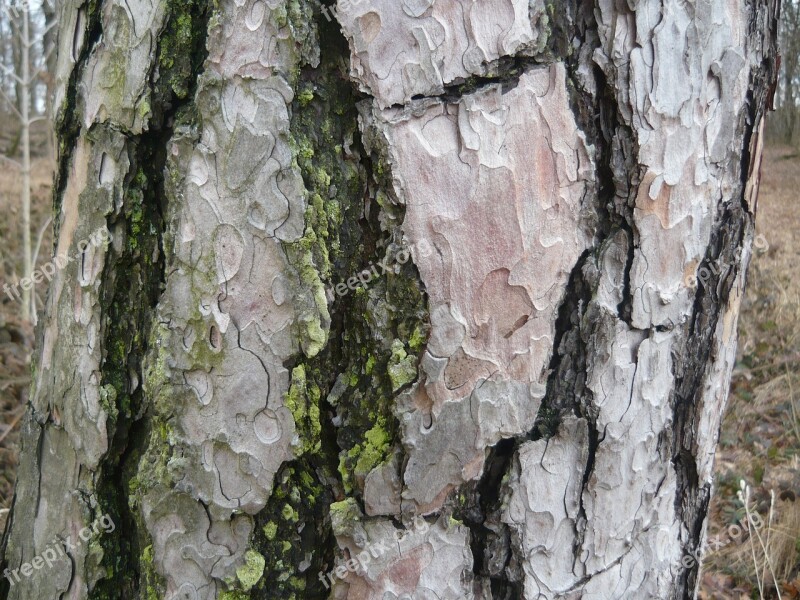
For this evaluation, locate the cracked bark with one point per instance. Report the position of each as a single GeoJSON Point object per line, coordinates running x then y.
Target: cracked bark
{"type": "Point", "coordinates": [527, 408]}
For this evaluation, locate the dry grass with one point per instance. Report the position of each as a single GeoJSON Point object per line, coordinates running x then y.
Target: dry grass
{"type": "Point", "coordinates": [760, 438]}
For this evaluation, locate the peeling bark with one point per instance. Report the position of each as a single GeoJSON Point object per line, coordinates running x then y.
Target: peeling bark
{"type": "Point", "coordinates": [550, 210]}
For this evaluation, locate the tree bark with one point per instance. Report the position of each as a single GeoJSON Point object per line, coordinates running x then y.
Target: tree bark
{"type": "Point", "coordinates": [404, 299]}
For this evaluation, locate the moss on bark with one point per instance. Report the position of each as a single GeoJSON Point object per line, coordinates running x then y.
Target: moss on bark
{"type": "Point", "coordinates": [132, 286]}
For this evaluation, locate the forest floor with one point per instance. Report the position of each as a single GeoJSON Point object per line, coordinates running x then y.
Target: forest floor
{"type": "Point", "coordinates": [760, 439]}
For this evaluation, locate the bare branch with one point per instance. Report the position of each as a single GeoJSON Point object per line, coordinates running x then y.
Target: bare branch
{"type": "Point", "coordinates": [11, 161]}
{"type": "Point", "coordinates": [48, 52]}
{"type": "Point", "coordinates": [11, 104]}
{"type": "Point", "coordinates": [10, 72]}
{"type": "Point", "coordinates": [48, 28]}
{"type": "Point", "coordinates": [39, 239]}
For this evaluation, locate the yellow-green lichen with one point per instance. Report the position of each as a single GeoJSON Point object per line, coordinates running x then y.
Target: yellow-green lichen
{"type": "Point", "coordinates": [302, 400]}
{"type": "Point", "coordinates": [402, 367]}
{"type": "Point", "coordinates": [365, 456]}
{"type": "Point", "coordinates": [251, 571]}
{"type": "Point", "coordinates": [418, 339]}
{"type": "Point", "coordinates": [305, 96]}
{"type": "Point", "coordinates": [270, 530]}
{"type": "Point", "coordinates": [374, 450]}
{"type": "Point", "coordinates": [344, 514]}
{"type": "Point", "coordinates": [289, 513]}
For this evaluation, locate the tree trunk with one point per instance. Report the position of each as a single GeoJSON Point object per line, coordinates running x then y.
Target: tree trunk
{"type": "Point", "coordinates": [49, 48]}
{"type": "Point", "coordinates": [28, 295]}
{"type": "Point", "coordinates": [408, 299]}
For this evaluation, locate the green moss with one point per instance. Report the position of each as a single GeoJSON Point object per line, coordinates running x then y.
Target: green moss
{"type": "Point", "coordinates": [178, 44]}
{"type": "Point", "coordinates": [108, 400]}
{"type": "Point", "coordinates": [296, 498]}
{"type": "Point", "coordinates": [234, 595]}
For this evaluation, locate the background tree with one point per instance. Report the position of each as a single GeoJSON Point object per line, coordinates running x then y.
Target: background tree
{"type": "Point", "coordinates": [31, 48]}
{"type": "Point", "coordinates": [784, 126]}
{"type": "Point", "coordinates": [257, 384]}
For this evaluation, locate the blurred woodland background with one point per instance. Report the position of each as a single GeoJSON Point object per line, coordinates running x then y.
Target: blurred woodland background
{"type": "Point", "coordinates": [760, 440]}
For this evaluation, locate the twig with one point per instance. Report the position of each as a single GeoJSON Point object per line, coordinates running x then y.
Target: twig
{"type": "Point", "coordinates": [769, 533]}
{"type": "Point", "coordinates": [7, 383]}
{"type": "Point", "coordinates": [791, 403]}
{"type": "Point", "coordinates": [39, 238]}
{"type": "Point", "coordinates": [11, 74]}
{"type": "Point", "coordinates": [754, 530]}
{"type": "Point", "coordinates": [11, 161]}
{"type": "Point", "coordinates": [786, 360]}
{"type": "Point", "coordinates": [12, 425]}
{"type": "Point", "coordinates": [11, 104]}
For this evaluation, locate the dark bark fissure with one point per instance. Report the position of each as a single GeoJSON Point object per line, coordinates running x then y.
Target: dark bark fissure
{"type": "Point", "coordinates": [723, 264]}
{"type": "Point", "coordinates": [490, 539]}
{"type": "Point", "coordinates": [304, 488]}
{"type": "Point", "coordinates": [348, 379]}
{"type": "Point", "coordinates": [133, 278]}
{"type": "Point", "coordinates": [566, 392]}
{"type": "Point", "coordinates": [67, 120]}
{"type": "Point", "coordinates": [132, 285]}
{"type": "Point", "coordinates": [692, 496]}
{"type": "Point", "coordinates": [579, 322]}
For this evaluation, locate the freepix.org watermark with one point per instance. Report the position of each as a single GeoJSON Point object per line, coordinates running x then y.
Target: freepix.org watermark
{"type": "Point", "coordinates": [358, 564]}
{"type": "Point", "coordinates": [98, 238]}
{"type": "Point", "coordinates": [60, 548]}
{"type": "Point", "coordinates": [331, 12]}
{"type": "Point", "coordinates": [375, 270]}
{"type": "Point", "coordinates": [704, 274]}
